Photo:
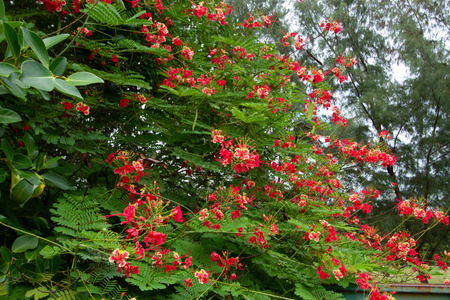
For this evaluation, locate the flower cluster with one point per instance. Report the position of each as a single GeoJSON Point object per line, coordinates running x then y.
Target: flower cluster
{"type": "Point", "coordinates": [330, 26]}
{"type": "Point", "coordinates": [414, 208]}
{"type": "Point", "coordinates": [142, 217]}
{"type": "Point", "coordinates": [239, 155]}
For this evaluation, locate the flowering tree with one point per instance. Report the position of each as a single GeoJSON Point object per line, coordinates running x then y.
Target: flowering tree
{"type": "Point", "coordinates": [192, 165]}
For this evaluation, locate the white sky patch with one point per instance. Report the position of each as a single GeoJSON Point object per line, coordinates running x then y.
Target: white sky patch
{"type": "Point", "coordinates": [400, 72]}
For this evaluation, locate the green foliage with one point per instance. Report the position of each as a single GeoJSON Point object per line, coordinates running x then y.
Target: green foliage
{"type": "Point", "coordinates": [154, 153]}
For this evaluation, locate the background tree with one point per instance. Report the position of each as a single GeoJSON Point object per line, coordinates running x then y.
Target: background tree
{"type": "Point", "coordinates": [414, 109]}
{"type": "Point", "coordinates": [153, 149]}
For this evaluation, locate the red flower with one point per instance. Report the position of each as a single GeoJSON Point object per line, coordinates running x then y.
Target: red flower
{"type": "Point", "coordinates": [321, 273]}
{"type": "Point", "coordinates": [188, 282]}
{"type": "Point", "coordinates": [26, 127]}
{"type": "Point", "coordinates": [67, 105]}
{"type": "Point", "coordinates": [221, 82]}
{"type": "Point", "coordinates": [123, 102]}
{"type": "Point", "coordinates": [176, 41]}
{"type": "Point", "coordinates": [177, 215]}
{"type": "Point", "coordinates": [114, 58]}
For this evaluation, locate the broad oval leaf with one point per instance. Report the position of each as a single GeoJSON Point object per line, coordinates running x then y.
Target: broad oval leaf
{"type": "Point", "coordinates": [57, 180]}
{"type": "Point", "coordinates": [58, 66]}
{"type": "Point", "coordinates": [22, 191]}
{"type": "Point", "coordinates": [37, 45]}
{"type": "Point", "coordinates": [53, 40]}
{"type": "Point", "coordinates": [63, 87]}
{"type": "Point", "coordinates": [83, 78]}
{"type": "Point", "coordinates": [24, 243]}
{"type": "Point", "coordinates": [37, 76]}
{"type": "Point", "coordinates": [8, 116]}
{"type": "Point", "coordinates": [29, 176]}
{"type": "Point", "coordinates": [21, 162]}
{"type": "Point", "coordinates": [7, 69]}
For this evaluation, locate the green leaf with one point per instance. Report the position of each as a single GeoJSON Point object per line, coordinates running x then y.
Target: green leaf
{"type": "Point", "coordinates": [53, 40]}
{"type": "Point", "coordinates": [83, 78]}
{"type": "Point", "coordinates": [2, 175]}
{"type": "Point", "coordinates": [52, 163]}
{"type": "Point", "coordinates": [57, 180]}
{"type": "Point", "coordinates": [8, 150]}
{"type": "Point", "coordinates": [239, 114]}
{"type": "Point", "coordinates": [37, 76]}
{"type": "Point", "coordinates": [63, 87]}
{"type": "Point", "coordinates": [29, 143]}
{"type": "Point", "coordinates": [37, 45]}
{"type": "Point", "coordinates": [11, 38]}
{"type": "Point", "coordinates": [21, 162]}
{"type": "Point", "coordinates": [2, 11]}
{"type": "Point", "coordinates": [7, 69]}
{"type": "Point", "coordinates": [29, 176]}
{"type": "Point", "coordinates": [49, 251]}
{"type": "Point", "coordinates": [24, 243]}
{"type": "Point", "coordinates": [39, 163]}
{"type": "Point", "coordinates": [14, 89]}
{"type": "Point", "coordinates": [58, 66]}
{"type": "Point", "coordinates": [44, 94]}
{"type": "Point", "coordinates": [8, 116]}
{"type": "Point", "coordinates": [38, 293]}
{"type": "Point", "coordinates": [22, 191]}
{"type": "Point", "coordinates": [6, 254]}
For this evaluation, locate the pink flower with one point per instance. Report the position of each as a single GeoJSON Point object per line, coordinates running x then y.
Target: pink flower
{"type": "Point", "coordinates": [202, 276]}
{"type": "Point", "coordinates": [84, 108]}
{"type": "Point", "coordinates": [187, 53]}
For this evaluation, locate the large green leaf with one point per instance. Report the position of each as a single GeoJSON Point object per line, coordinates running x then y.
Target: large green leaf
{"type": "Point", "coordinates": [37, 76]}
{"type": "Point", "coordinates": [22, 191]}
{"type": "Point", "coordinates": [14, 89]}
{"type": "Point", "coordinates": [53, 40]}
{"type": "Point", "coordinates": [24, 243]}
{"type": "Point", "coordinates": [66, 89]}
{"type": "Point", "coordinates": [21, 162]}
{"type": "Point", "coordinates": [8, 116]}
{"type": "Point", "coordinates": [11, 38]}
{"type": "Point", "coordinates": [29, 176]}
{"type": "Point", "coordinates": [7, 69]}
{"type": "Point", "coordinates": [57, 180]}
{"type": "Point", "coordinates": [37, 45]}
{"type": "Point", "coordinates": [58, 66]}
{"type": "Point", "coordinates": [83, 78]}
